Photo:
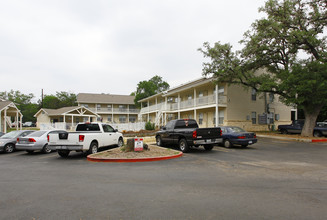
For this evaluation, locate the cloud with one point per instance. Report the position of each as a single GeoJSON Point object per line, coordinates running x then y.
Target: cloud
{"type": "Point", "coordinates": [109, 46]}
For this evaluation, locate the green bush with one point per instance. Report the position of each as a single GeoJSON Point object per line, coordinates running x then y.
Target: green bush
{"type": "Point", "coordinates": [149, 126]}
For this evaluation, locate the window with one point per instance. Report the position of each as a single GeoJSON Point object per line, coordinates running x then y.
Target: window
{"type": "Point", "coordinates": [85, 105]}
{"type": "Point", "coordinates": [107, 128]}
{"type": "Point", "coordinates": [132, 119]}
{"type": "Point", "coordinates": [122, 108]}
{"type": "Point", "coordinates": [254, 95]}
{"type": "Point", "coordinates": [109, 118]}
{"type": "Point", "coordinates": [122, 119]}
{"type": "Point", "coordinates": [254, 117]}
{"type": "Point", "coordinates": [271, 97]}
{"type": "Point", "coordinates": [98, 107]}
{"type": "Point", "coordinates": [200, 118]}
{"type": "Point", "coordinates": [109, 107]}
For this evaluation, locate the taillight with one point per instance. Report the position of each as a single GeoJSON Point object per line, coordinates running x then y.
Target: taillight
{"type": "Point", "coordinates": [81, 138]}
{"type": "Point", "coordinates": [31, 140]}
{"type": "Point", "coordinates": [255, 136]}
{"type": "Point", "coordinates": [194, 135]}
{"type": "Point", "coordinates": [48, 138]}
{"type": "Point", "coordinates": [17, 139]}
{"type": "Point", "coordinates": [241, 137]}
{"type": "Point", "coordinates": [221, 132]}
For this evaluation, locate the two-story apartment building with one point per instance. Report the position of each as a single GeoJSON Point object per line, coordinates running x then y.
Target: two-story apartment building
{"type": "Point", "coordinates": [211, 104]}
{"type": "Point", "coordinates": [110, 108]}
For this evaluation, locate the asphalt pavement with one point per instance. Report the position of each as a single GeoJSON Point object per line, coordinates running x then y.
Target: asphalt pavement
{"type": "Point", "coordinates": [273, 179]}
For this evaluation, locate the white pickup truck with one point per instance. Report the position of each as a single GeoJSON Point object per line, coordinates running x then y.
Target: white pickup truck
{"type": "Point", "coordinates": [87, 138]}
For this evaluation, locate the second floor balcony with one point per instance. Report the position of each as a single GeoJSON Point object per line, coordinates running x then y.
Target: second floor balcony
{"type": "Point", "coordinates": [186, 104]}
{"type": "Point", "coordinates": [115, 110]}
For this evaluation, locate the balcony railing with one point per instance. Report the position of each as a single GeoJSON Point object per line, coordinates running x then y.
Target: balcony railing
{"type": "Point", "coordinates": [115, 110]}
{"type": "Point", "coordinates": [200, 101]}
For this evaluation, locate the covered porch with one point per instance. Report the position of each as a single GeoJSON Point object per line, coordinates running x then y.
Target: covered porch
{"type": "Point", "coordinates": [10, 116]}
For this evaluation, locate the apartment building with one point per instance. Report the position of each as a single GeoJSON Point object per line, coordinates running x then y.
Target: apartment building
{"type": "Point", "coordinates": [110, 108]}
{"type": "Point", "coordinates": [216, 104]}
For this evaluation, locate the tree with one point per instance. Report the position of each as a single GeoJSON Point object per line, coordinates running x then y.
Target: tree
{"type": "Point", "coordinates": [23, 103]}
{"type": "Point", "coordinates": [61, 99]}
{"type": "Point", "coordinates": [148, 88]}
{"type": "Point", "coordinates": [288, 47]}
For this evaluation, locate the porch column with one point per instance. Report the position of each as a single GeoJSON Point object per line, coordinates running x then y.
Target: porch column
{"type": "Point", "coordinates": [21, 121]}
{"type": "Point", "coordinates": [72, 120]}
{"type": "Point", "coordinates": [179, 105]}
{"type": "Point", "coordinates": [194, 97]}
{"type": "Point", "coordinates": [217, 110]}
{"type": "Point", "coordinates": [5, 119]}
{"type": "Point", "coordinates": [17, 121]}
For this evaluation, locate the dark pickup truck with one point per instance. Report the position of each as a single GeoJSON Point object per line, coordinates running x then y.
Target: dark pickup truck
{"type": "Point", "coordinates": [296, 128]}
{"type": "Point", "coordinates": [186, 133]}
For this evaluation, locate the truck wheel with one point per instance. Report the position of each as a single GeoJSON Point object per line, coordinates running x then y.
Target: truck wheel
{"type": "Point", "coordinates": [9, 148]}
{"type": "Point", "coordinates": [227, 143]}
{"type": "Point", "coordinates": [283, 131]}
{"type": "Point", "coordinates": [159, 141]}
{"type": "Point", "coordinates": [183, 146]}
{"type": "Point", "coordinates": [46, 149]}
{"type": "Point", "coordinates": [120, 142]}
{"type": "Point", "coordinates": [208, 147]}
{"type": "Point", "coordinates": [317, 134]}
{"type": "Point", "coordinates": [63, 153]}
{"type": "Point", "coordinates": [93, 148]}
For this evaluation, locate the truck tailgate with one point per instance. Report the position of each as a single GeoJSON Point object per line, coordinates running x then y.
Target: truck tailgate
{"type": "Point", "coordinates": [206, 133]}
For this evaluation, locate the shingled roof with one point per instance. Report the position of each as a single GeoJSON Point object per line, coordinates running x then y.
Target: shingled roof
{"type": "Point", "coordinates": [104, 98]}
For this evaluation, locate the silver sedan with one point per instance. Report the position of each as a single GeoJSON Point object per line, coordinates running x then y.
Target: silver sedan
{"type": "Point", "coordinates": [37, 141]}
{"type": "Point", "coordinates": [8, 141]}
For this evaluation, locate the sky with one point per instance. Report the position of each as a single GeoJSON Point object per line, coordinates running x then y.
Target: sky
{"type": "Point", "coordinates": [106, 46]}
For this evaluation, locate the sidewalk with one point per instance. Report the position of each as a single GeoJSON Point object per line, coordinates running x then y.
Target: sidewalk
{"type": "Point", "coordinates": [295, 138]}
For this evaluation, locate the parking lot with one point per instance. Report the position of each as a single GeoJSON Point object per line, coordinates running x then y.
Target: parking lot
{"type": "Point", "coordinates": [273, 179]}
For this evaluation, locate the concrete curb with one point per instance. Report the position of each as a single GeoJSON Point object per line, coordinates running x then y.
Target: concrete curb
{"type": "Point", "coordinates": [293, 139]}
{"type": "Point", "coordinates": [132, 160]}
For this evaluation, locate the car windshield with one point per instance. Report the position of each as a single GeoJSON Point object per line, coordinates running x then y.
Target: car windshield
{"type": "Point", "coordinates": [37, 134]}
{"type": "Point", "coordinates": [236, 129]}
{"type": "Point", "coordinates": [11, 134]}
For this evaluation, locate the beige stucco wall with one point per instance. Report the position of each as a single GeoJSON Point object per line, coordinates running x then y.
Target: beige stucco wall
{"type": "Point", "coordinates": [42, 118]}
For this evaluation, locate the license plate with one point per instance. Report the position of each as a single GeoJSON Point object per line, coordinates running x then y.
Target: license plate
{"type": "Point", "coordinates": [208, 141]}
{"type": "Point", "coordinates": [250, 142]}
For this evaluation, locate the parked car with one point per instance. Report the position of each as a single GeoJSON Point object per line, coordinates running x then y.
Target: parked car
{"type": "Point", "coordinates": [186, 133]}
{"type": "Point", "coordinates": [233, 135]}
{"type": "Point", "coordinates": [36, 141]}
{"type": "Point", "coordinates": [1, 133]}
{"type": "Point", "coordinates": [88, 137]}
{"type": "Point", "coordinates": [322, 124]}
{"type": "Point", "coordinates": [296, 128]}
{"type": "Point", "coordinates": [28, 124]}
{"type": "Point", "coordinates": [8, 141]}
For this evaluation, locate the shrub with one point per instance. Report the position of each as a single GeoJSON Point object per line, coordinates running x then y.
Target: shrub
{"type": "Point", "coordinates": [149, 126]}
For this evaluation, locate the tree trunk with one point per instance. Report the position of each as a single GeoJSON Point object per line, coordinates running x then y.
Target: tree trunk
{"type": "Point", "coordinates": [310, 121]}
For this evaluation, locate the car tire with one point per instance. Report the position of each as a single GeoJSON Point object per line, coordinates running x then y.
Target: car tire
{"type": "Point", "coordinates": [183, 146]}
{"type": "Point", "coordinates": [208, 147]}
{"type": "Point", "coordinates": [46, 149]}
{"type": "Point", "coordinates": [227, 143]}
{"type": "Point", "coordinates": [63, 153]}
{"type": "Point", "coordinates": [120, 142]}
{"type": "Point", "coordinates": [283, 131]}
{"type": "Point", "coordinates": [159, 141]}
{"type": "Point", "coordinates": [317, 134]}
{"type": "Point", "coordinates": [30, 151]}
{"type": "Point", "coordinates": [9, 148]}
{"type": "Point", "coordinates": [93, 148]}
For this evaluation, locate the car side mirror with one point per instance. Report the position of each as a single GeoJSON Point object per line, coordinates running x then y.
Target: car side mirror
{"type": "Point", "coordinates": [164, 128]}
{"type": "Point", "coordinates": [116, 130]}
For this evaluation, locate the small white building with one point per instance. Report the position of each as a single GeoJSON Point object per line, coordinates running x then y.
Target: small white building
{"type": "Point", "coordinates": [9, 111]}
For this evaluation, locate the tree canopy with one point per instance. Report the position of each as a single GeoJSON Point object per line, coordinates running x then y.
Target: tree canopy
{"type": "Point", "coordinates": [288, 48]}
{"type": "Point", "coordinates": [23, 103]}
{"type": "Point", "coordinates": [150, 87]}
